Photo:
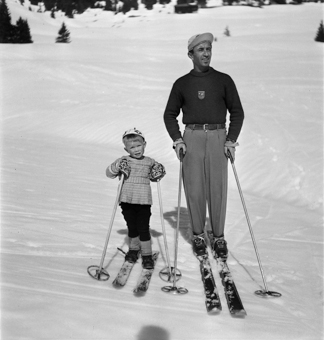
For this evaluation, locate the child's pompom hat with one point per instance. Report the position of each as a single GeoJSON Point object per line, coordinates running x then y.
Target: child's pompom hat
{"type": "Point", "coordinates": [133, 131]}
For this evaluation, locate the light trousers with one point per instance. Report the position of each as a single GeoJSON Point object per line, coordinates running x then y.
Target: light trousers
{"type": "Point", "coordinates": [205, 176]}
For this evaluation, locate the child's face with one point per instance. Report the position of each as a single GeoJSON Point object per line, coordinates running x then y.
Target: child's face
{"type": "Point", "coordinates": [135, 147]}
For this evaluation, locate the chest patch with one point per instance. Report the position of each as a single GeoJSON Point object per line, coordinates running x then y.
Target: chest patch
{"type": "Point", "coordinates": [201, 94]}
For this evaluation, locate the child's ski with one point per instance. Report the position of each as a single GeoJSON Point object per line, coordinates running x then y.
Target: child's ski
{"type": "Point", "coordinates": [212, 300]}
{"type": "Point", "coordinates": [145, 277]}
{"type": "Point", "coordinates": [123, 274]}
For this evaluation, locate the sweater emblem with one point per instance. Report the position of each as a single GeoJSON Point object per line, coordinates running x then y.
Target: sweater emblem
{"type": "Point", "coordinates": [201, 94]}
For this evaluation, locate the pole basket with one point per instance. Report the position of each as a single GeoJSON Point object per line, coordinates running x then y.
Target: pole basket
{"type": "Point", "coordinates": [175, 290]}
{"type": "Point", "coordinates": [267, 293]}
{"type": "Point", "coordinates": [166, 276]}
{"type": "Point", "coordinates": [98, 273]}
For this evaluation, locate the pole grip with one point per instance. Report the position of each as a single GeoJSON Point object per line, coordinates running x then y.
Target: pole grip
{"type": "Point", "coordinates": [181, 155]}
{"type": "Point", "coordinates": [229, 155]}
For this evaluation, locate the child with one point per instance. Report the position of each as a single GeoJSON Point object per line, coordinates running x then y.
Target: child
{"type": "Point", "coordinates": [136, 196]}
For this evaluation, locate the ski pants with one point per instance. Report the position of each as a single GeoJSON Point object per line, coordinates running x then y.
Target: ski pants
{"type": "Point", "coordinates": [205, 175]}
{"type": "Point", "coordinates": [137, 217]}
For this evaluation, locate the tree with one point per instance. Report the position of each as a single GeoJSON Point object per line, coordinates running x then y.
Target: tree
{"type": "Point", "coordinates": [149, 4]}
{"type": "Point", "coordinates": [22, 32]}
{"type": "Point", "coordinates": [320, 33]}
{"type": "Point", "coordinates": [69, 10]}
{"type": "Point", "coordinates": [64, 35]}
{"type": "Point", "coordinates": [49, 4]}
{"type": "Point", "coordinates": [110, 5]}
{"type": "Point", "coordinates": [19, 34]}
{"type": "Point", "coordinates": [7, 30]}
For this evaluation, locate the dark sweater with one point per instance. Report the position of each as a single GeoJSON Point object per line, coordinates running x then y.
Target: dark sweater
{"type": "Point", "coordinates": [220, 94]}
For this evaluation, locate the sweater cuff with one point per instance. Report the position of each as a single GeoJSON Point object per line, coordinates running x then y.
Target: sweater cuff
{"type": "Point", "coordinates": [176, 136]}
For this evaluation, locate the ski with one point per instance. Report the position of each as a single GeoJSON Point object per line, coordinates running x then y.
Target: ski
{"type": "Point", "coordinates": [145, 278]}
{"type": "Point", "coordinates": [212, 300]}
{"type": "Point", "coordinates": [233, 299]}
{"type": "Point", "coordinates": [123, 274]}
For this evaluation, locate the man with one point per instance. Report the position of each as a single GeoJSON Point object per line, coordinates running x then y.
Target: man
{"type": "Point", "coordinates": [205, 95]}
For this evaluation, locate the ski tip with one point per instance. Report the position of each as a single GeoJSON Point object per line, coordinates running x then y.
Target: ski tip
{"type": "Point", "coordinates": [117, 285]}
{"type": "Point", "coordinates": [214, 311]}
{"type": "Point", "coordinates": [139, 292]}
{"type": "Point", "coordinates": [239, 313]}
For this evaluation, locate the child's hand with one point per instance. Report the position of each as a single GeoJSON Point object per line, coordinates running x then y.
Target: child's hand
{"type": "Point", "coordinates": [124, 167]}
{"type": "Point", "coordinates": [157, 172]}
{"type": "Point", "coordinates": [120, 166]}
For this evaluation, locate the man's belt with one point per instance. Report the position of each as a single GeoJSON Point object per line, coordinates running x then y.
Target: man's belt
{"type": "Point", "coordinates": [206, 127]}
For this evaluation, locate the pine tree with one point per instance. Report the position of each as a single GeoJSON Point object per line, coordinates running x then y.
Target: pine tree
{"type": "Point", "coordinates": [320, 33]}
{"type": "Point", "coordinates": [22, 32]}
{"type": "Point", "coordinates": [69, 10]}
{"type": "Point", "coordinates": [7, 30]}
{"type": "Point", "coordinates": [49, 4]}
{"type": "Point", "coordinates": [64, 35]}
{"type": "Point", "coordinates": [109, 6]}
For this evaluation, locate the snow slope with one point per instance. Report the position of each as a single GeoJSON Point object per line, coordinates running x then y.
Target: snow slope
{"type": "Point", "coordinates": [64, 108]}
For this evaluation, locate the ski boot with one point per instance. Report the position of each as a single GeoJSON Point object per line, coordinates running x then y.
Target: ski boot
{"type": "Point", "coordinates": [147, 262]}
{"type": "Point", "coordinates": [199, 245]}
{"type": "Point", "coordinates": [132, 255]}
{"type": "Point", "coordinates": [219, 248]}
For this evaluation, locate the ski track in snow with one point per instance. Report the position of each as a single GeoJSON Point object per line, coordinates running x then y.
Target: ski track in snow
{"type": "Point", "coordinates": [64, 108]}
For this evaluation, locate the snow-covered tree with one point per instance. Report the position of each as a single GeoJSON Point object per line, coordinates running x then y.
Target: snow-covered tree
{"type": "Point", "coordinates": [64, 35]}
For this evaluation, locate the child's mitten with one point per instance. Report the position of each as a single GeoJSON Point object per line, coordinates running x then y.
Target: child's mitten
{"type": "Point", "coordinates": [157, 172]}
{"type": "Point", "coordinates": [124, 167]}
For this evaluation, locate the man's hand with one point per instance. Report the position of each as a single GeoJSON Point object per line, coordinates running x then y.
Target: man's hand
{"type": "Point", "coordinates": [178, 145]}
{"type": "Point", "coordinates": [229, 147]}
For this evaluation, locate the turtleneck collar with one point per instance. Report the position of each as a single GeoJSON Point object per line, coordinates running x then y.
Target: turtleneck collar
{"type": "Point", "coordinates": [202, 74]}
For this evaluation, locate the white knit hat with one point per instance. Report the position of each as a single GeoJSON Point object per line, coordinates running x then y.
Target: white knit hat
{"type": "Point", "coordinates": [199, 38]}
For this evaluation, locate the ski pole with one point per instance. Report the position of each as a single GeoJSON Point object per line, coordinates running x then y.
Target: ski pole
{"type": "Point", "coordinates": [162, 272]}
{"type": "Point", "coordinates": [258, 292]}
{"type": "Point", "coordinates": [174, 289]}
{"type": "Point", "coordinates": [100, 273]}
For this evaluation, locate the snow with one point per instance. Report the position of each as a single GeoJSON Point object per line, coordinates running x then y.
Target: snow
{"type": "Point", "coordinates": [64, 108]}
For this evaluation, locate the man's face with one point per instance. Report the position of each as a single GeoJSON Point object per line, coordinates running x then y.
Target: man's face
{"type": "Point", "coordinates": [201, 56]}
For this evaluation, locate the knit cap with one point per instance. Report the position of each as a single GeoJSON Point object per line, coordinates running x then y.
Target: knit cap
{"type": "Point", "coordinates": [199, 38]}
{"type": "Point", "coordinates": [133, 131]}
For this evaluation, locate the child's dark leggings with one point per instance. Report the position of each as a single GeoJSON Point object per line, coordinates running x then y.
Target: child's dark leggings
{"type": "Point", "coordinates": [137, 217]}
